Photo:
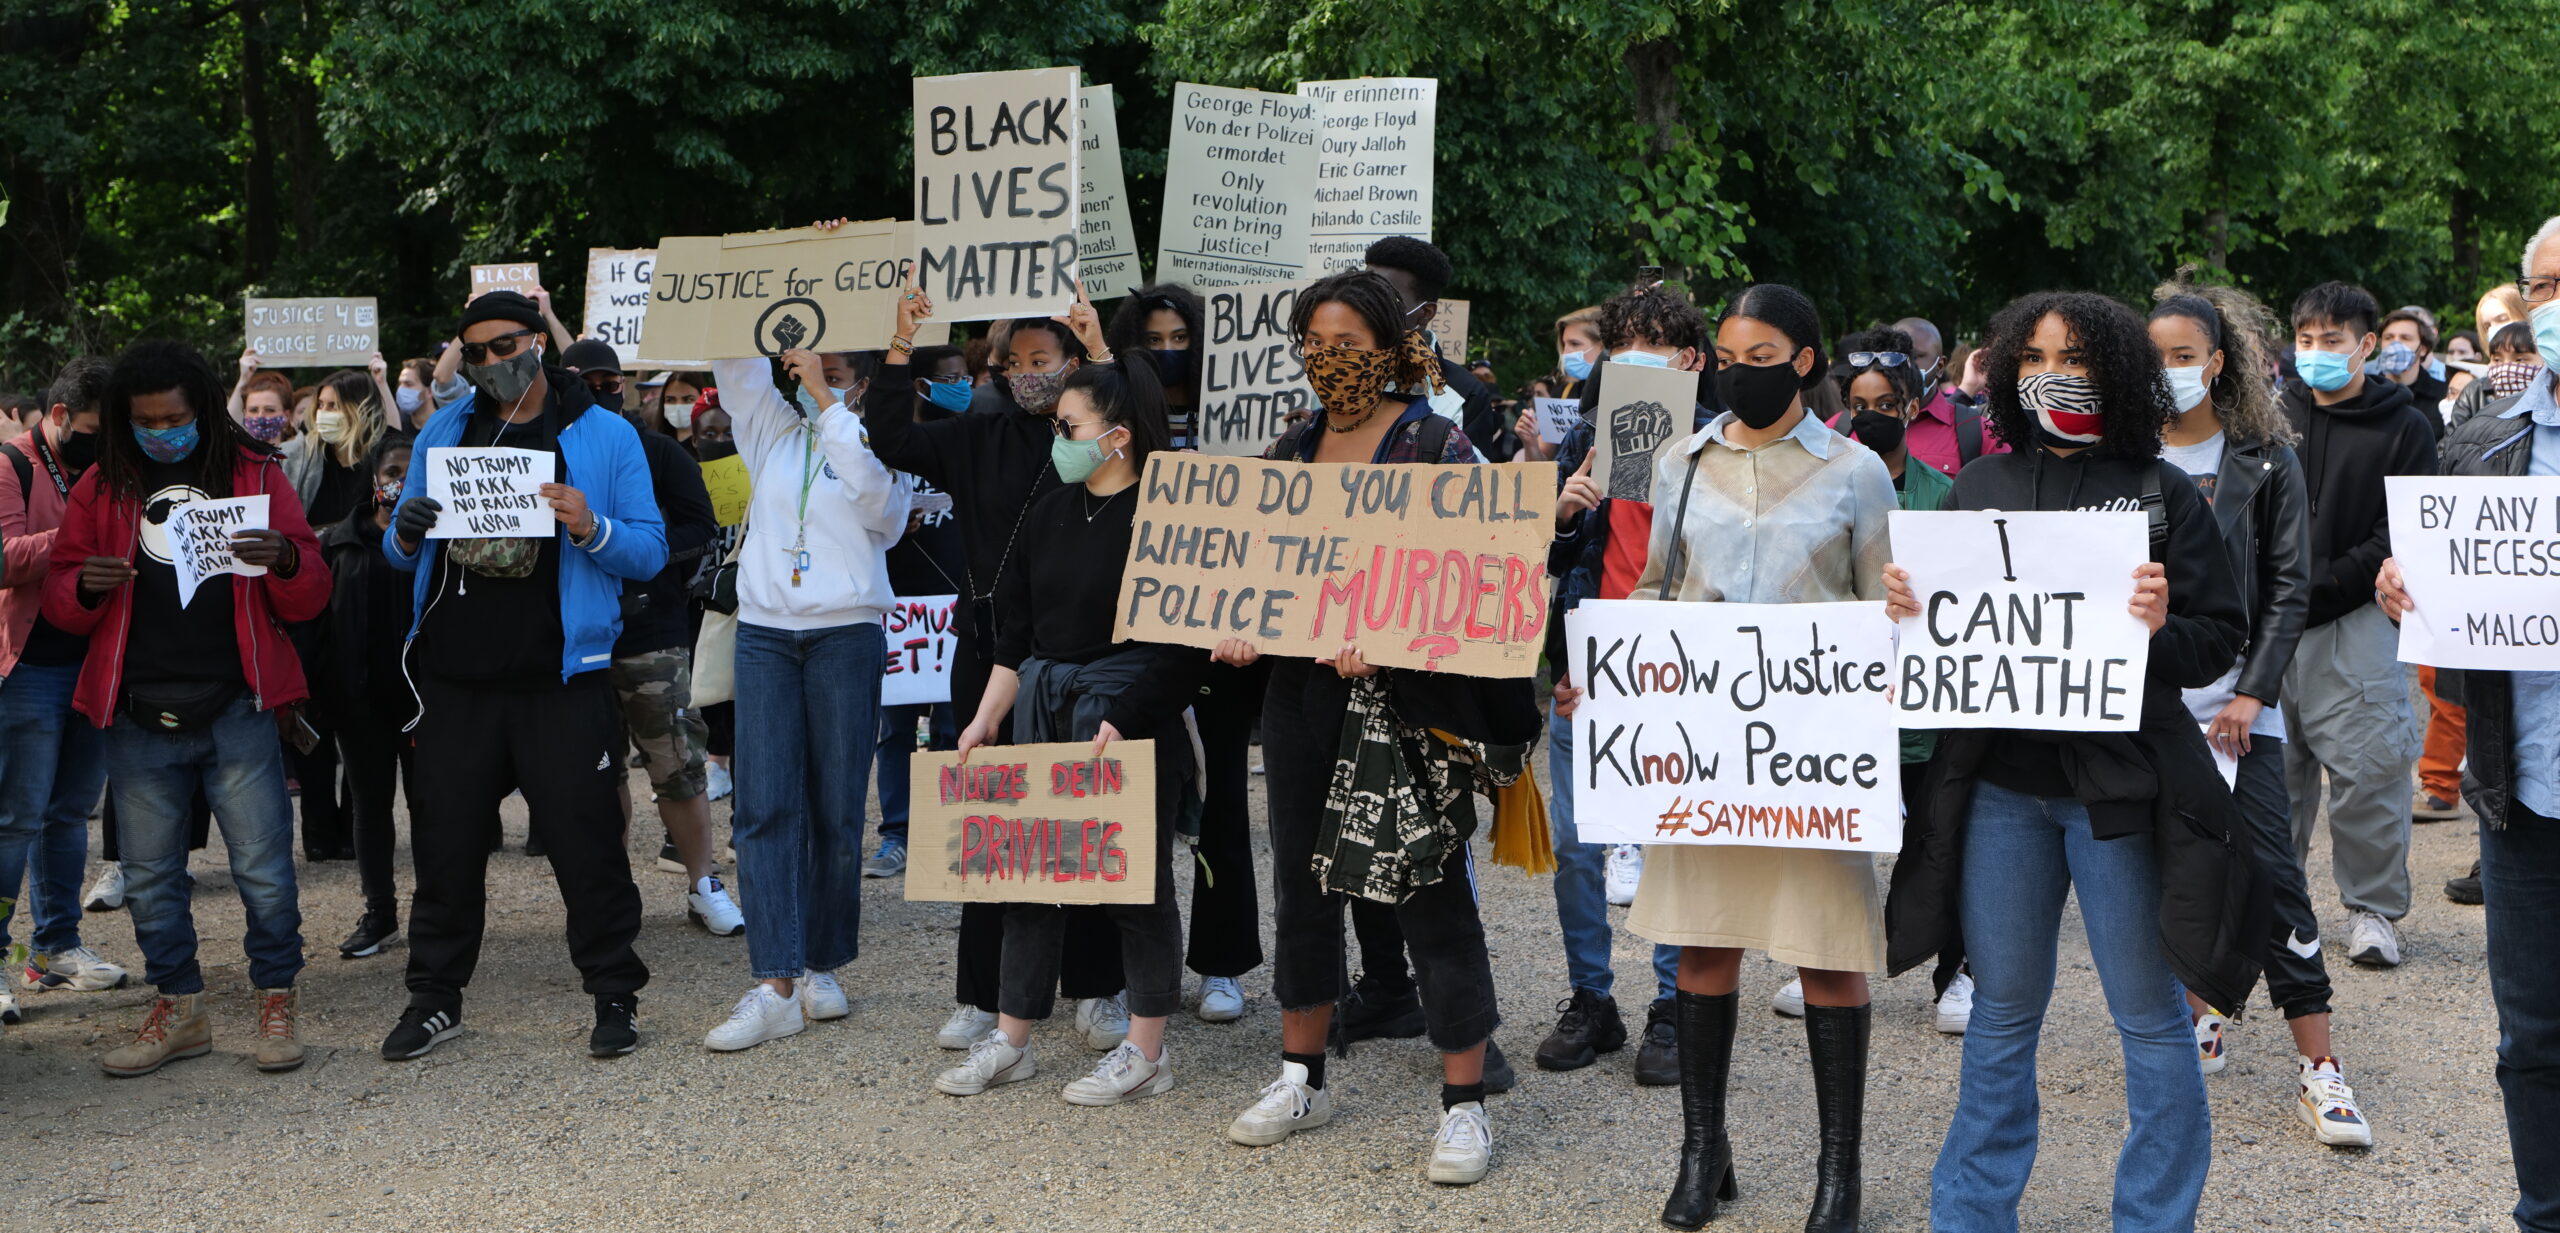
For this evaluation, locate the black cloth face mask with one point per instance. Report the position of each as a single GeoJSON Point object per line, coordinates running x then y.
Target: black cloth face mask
{"type": "Point", "coordinates": [1758, 394]}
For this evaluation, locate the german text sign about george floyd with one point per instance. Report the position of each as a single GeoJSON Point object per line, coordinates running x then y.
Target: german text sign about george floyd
{"type": "Point", "coordinates": [1640, 411]}
{"type": "Point", "coordinates": [1034, 824]}
{"type": "Point", "coordinates": [765, 292]}
{"type": "Point", "coordinates": [2481, 558]}
{"type": "Point", "coordinates": [314, 333]}
{"type": "Point", "coordinates": [1251, 379]}
{"type": "Point", "coordinates": [1106, 241]}
{"type": "Point", "coordinates": [1763, 725]}
{"type": "Point", "coordinates": [922, 645]}
{"type": "Point", "coordinates": [1432, 567]}
{"type": "Point", "coordinates": [996, 192]}
{"type": "Point", "coordinates": [520, 277]}
{"type": "Point", "coordinates": [618, 297]}
{"type": "Point", "coordinates": [1373, 166]}
{"type": "Point", "coordinates": [2022, 620]}
{"type": "Point", "coordinates": [1240, 175]}
{"type": "Point", "coordinates": [490, 492]}
{"type": "Point", "coordinates": [200, 541]}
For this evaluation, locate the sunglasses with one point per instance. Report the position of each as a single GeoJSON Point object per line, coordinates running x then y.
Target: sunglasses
{"type": "Point", "coordinates": [502, 346]}
{"type": "Point", "coordinates": [1878, 359]}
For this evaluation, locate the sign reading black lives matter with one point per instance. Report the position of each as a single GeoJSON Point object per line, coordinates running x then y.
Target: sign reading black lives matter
{"type": "Point", "coordinates": [1240, 177]}
{"type": "Point", "coordinates": [2480, 556]}
{"type": "Point", "coordinates": [2023, 620]}
{"type": "Point", "coordinates": [1640, 411]}
{"type": "Point", "coordinates": [1763, 725]}
{"type": "Point", "coordinates": [1251, 378]}
{"type": "Point", "coordinates": [996, 192]}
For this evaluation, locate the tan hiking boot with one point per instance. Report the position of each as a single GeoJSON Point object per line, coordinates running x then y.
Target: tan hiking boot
{"type": "Point", "coordinates": [278, 1047]}
{"type": "Point", "coordinates": [176, 1028]}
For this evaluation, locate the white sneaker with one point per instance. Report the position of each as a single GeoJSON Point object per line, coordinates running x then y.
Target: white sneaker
{"type": "Point", "coordinates": [2209, 1055]}
{"type": "Point", "coordinates": [107, 893]}
{"type": "Point", "coordinates": [760, 1016]}
{"type": "Point", "coordinates": [1122, 1074]}
{"type": "Point", "coordinates": [2372, 941]}
{"type": "Point", "coordinates": [1104, 1021]}
{"type": "Point", "coordinates": [1955, 1006]}
{"type": "Point", "coordinates": [1221, 1000]}
{"type": "Point", "coordinates": [716, 781]}
{"type": "Point", "coordinates": [964, 1027]}
{"type": "Point", "coordinates": [1284, 1108]}
{"type": "Point", "coordinates": [2328, 1105]}
{"type": "Point", "coordinates": [1464, 1148]}
{"type": "Point", "coordinates": [9, 1005]}
{"type": "Point", "coordinates": [1789, 999]}
{"type": "Point", "coordinates": [708, 905]}
{"type": "Point", "coordinates": [992, 1062]}
{"type": "Point", "coordinates": [78, 970]}
{"type": "Point", "coordinates": [1623, 870]}
{"type": "Point", "coordinates": [821, 998]}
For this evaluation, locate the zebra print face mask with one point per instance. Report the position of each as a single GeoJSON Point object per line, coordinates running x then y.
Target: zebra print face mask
{"type": "Point", "coordinates": [2065, 406]}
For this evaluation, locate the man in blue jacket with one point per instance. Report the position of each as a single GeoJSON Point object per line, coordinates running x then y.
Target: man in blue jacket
{"type": "Point", "coordinates": [509, 655]}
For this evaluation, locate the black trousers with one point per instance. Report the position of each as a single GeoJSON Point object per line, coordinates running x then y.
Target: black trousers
{"type": "Point", "coordinates": [324, 813]}
{"type": "Point", "coordinates": [1226, 915]}
{"type": "Point", "coordinates": [722, 719]}
{"type": "Point", "coordinates": [557, 746]}
{"type": "Point", "coordinates": [2298, 983]}
{"type": "Point", "coordinates": [1148, 936]}
{"type": "Point", "coordinates": [379, 760]}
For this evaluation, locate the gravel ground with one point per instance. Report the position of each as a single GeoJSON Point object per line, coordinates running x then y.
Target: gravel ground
{"type": "Point", "coordinates": [512, 1126]}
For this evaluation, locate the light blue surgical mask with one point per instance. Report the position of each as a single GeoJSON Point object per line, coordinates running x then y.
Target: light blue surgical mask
{"type": "Point", "coordinates": [2187, 389]}
{"type": "Point", "coordinates": [2396, 357]}
{"type": "Point", "coordinates": [2435, 367]}
{"type": "Point", "coordinates": [1576, 364]}
{"type": "Point", "coordinates": [1641, 359]}
{"type": "Point", "coordinates": [408, 396]}
{"type": "Point", "coordinates": [839, 394]}
{"type": "Point", "coordinates": [166, 444]}
{"type": "Point", "coordinates": [2325, 371]}
{"type": "Point", "coordinates": [948, 395]}
{"type": "Point", "coordinates": [2546, 334]}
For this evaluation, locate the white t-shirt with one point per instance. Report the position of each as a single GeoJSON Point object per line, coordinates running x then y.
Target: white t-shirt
{"type": "Point", "coordinates": [2202, 462]}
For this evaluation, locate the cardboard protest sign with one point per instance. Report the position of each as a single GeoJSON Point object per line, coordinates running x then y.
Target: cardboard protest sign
{"type": "Point", "coordinates": [1251, 378]}
{"type": "Point", "coordinates": [922, 645]}
{"type": "Point", "coordinates": [1106, 239]}
{"type": "Point", "coordinates": [1557, 418]}
{"type": "Point", "coordinates": [314, 333]}
{"type": "Point", "coordinates": [1373, 166]}
{"type": "Point", "coordinates": [730, 487]}
{"type": "Point", "coordinates": [490, 492]}
{"type": "Point", "coordinates": [2481, 558]}
{"type": "Point", "coordinates": [1449, 329]}
{"type": "Point", "coordinates": [200, 541]}
{"type": "Point", "coordinates": [996, 190]}
{"type": "Point", "coordinates": [765, 292]}
{"type": "Point", "coordinates": [517, 276]}
{"type": "Point", "coordinates": [2022, 620]}
{"type": "Point", "coordinates": [1764, 725]}
{"type": "Point", "coordinates": [1240, 175]}
{"type": "Point", "coordinates": [1421, 566]}
{"type": "Point", "coordinates": [1034, 824]}
{"type": "Point", "coordinates": [1640, 410]}
{"type": "Point", "coordinates": [618, 297]}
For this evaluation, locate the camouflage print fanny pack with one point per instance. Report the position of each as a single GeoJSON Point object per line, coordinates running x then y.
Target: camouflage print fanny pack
{"type": "Point", "coordinates": [511, 557]}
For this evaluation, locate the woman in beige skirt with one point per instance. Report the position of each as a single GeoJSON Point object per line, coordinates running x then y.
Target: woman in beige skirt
{"type": "Point", "coordinates": [1766, 505]}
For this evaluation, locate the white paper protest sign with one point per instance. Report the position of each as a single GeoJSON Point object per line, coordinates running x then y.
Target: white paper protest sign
{"type": "Point", "coordinates": [1251, 379]}
{"type": "Point", "coordinates": [521, 277]}
{"type": "Point", "coordinates": [1449, 329]}
{"type": "Point", "coordinates": [314, 332]}
{"type": "Point", "coordinates": [2022, 620]}
{"type": "Point", "coordinates": [2480, 556]}
{"type": "Point", "coordinates": [1373, 167]}
{"type": "Point", "coordinates": [490, 492]}
{"type": "Point", "coordinates": [1240, 175]}
{"type": "Point", "coordinates": [618, 297]}
{"type": "Point", "coordinates": [200, 541]}
{"type": "Point", "coordinates": [1640, 410]}
{"type": "Point", "coordinates": [996, 192]}
{"type": "Point", "coordinates": [922, 647]}
{"type": "Point", "coordinates": [1557, 418]}
{"type": "Point", "coordinates": [1106, 239]}
{"type": "Point", "coordinates": [1763, 725]}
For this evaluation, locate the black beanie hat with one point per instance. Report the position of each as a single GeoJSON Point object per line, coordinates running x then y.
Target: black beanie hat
{"type": "Point", "coordinates": [502, 306]}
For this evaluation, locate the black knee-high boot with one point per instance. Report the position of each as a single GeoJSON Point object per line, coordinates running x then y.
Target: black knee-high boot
{"type": "Point", "coordinates": [1836, 1036]}
{"type": "Point", "coordinates": [1705, 1026]}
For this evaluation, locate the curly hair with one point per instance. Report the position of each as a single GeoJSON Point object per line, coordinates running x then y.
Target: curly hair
{"type": "Point", "coordinates": [1650, 312]}
{"type": "Point", "coordinates": [2245, 330]}
{"type": "Point", "coordinates": [1380, 307]}
{"type": "Point", "coordinates": [1903, 377]}
{"type": "Point", "coordinates": [2133, 396]}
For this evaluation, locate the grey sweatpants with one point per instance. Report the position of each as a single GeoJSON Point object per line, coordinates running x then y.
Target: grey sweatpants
{"type": "Point", "coordinates": [2347, 710]}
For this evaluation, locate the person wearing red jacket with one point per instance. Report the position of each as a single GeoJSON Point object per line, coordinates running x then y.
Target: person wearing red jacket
{"type": "Point", "coordinates": [183, 686]}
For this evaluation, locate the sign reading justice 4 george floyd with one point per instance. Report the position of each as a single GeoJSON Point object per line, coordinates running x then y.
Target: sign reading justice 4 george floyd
{"type": "Point", "coordinates": [313, 333]}
{"type": "Point", "coordinates": [1420, 566]}
{"type": "Point", "coordinates": [996, 192]}
{"type": "Point", "coordinates": [2022, 620]}
{"type": "Point", "coordinates": [2481, 558]}
{"type": "Point", "coordinates": [1034, 824]}
{"type": "Point", "coordinates": [1764, 725]}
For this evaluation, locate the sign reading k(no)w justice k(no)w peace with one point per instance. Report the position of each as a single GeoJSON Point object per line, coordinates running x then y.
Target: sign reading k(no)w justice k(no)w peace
{"type": "Point", "coordinates": [996, 192]}
{"type": "Point", "coordinates": [2023, 620]}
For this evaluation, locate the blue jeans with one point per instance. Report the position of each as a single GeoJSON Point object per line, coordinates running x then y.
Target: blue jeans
{"type": "Point", "coordinates": [154, 776]}
{"type": "Point", "coordinates": [897, 749]}
{"type": "Point", "coordinates": [2022, 855]}
{"type": "Point", "coordinates": [808, 714]}
{"type": "Point", "coordinates": [2520, 880]}
{"type": "Point", "coordinates": [52, 766]}
{"type": "Point", "coordinates": [1582, 898]}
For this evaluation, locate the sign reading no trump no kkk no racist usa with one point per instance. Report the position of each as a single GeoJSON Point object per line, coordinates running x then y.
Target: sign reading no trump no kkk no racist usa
{"type": "Point", "coordinates": [490, 492]}
{"type": "Point", "coordinates": [996, 192]}
{"type": "Point", "coordinates": [1034, 824]}
{"type": "Point", "coordinates": [200, 534]}
{"type": "Point", "coordinates": [1433, 567]}
{"type": "Point", "coordinates": [2481, 558]}
{"type": "Point", "coordinates": [1764, 725]}
{"type": "Point", "coordinates": [2023, 620]}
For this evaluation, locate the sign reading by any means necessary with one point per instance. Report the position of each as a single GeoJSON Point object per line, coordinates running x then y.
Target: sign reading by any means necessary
{"type": "Point", "coordinates": [2480, 556]}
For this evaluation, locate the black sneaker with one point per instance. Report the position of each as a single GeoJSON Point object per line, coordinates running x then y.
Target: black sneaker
{"type": "Point", "coordinates": [1366, 1015]}
{"type": "Point", "coordinates": [372, 933]}
{"type": "Point", "coordinates": [617, 1025]}
{"type": "Point", "coordinates": [1658, 1058]}
{"type": "Point", "coordinates": [1498, 1075]}
{"type": "Point", "coordinates": [669, 859]}
{"type": "Point", "coordinates": [2465, 889]}
{"type": "Point", "coordinates": [421, 1029]}
{"type": "Point", "coordinates": [1587, 1025]}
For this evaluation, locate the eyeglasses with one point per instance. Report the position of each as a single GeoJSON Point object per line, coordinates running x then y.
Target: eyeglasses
{"type": "Point", "coordinates": [502, 346]}
{"type": "Point", "coordinates": [2538, 289]}
{"type": "Point", "coordinates": [1878, 359]}
{"type": "Point", "coordinates": [604, 383]}
{"type": "Point", "coordinates": [1067, 428]}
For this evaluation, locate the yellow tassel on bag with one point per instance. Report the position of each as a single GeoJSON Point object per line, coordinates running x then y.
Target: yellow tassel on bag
{"type": "Point", "coordinates": [1520, 835]}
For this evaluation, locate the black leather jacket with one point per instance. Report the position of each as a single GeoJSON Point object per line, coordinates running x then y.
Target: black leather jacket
{"type": "Point", "coordinates": [2486, 444]}
{"type": "Point", "coordinates": [2258, 501]}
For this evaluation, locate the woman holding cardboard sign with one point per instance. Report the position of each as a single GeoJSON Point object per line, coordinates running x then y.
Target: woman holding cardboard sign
{"type": "Point", "coordinates": [2137, 823]}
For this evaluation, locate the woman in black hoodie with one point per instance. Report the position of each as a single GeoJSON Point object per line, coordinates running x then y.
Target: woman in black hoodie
{"type": "Point", "coordinates": [2138, 823]}
{"type": "Point", "coordinates": [358, 685]}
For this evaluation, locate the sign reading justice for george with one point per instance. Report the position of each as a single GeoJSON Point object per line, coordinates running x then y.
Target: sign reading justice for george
{"type": "Point", "coordinates": [761, 293]}
{"type": "Point", "coordinates": [1034, 824]}
{"type": "Point", "coordinates": [2022, 620]}
{"type": "Point", "coordinates": [2481, 558]}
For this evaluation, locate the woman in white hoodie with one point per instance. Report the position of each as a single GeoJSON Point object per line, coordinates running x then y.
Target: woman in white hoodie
{"type": "Point", "coordinates": [813, 583]}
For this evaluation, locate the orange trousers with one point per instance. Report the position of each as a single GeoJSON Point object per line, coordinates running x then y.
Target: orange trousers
{"type": "Point", "coordinates": [2440, 766]}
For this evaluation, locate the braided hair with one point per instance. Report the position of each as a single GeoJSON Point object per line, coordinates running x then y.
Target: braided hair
{"type": "Point", "coordinates": [1380, 307]}
{"type": "Point", "coordinates": [157, 367]}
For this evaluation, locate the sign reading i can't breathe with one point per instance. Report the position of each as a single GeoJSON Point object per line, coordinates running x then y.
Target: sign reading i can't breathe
{"type": "Point", "coordinates": [2022, 620]}
{"type": "Point", "coordinates": [1034, 824]}
{"type": "Point", "coordinates": [490, 492]}
{"type": "Point", "coordinates": [996, 192]}
{"type": "Point", "coordinates": [2480, 556]}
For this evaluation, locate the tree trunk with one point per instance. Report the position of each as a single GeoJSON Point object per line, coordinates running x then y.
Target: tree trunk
{"type": "Point", "coordinates": [1654, 67]}
{"type": "Point", "coordinates": [2462, 220]}
{"type": "Point", "coordinates": [258, 233]}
